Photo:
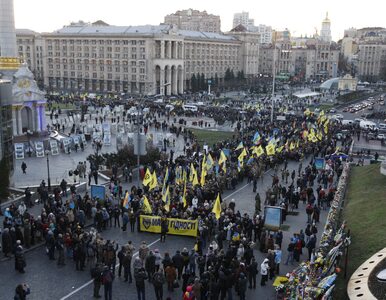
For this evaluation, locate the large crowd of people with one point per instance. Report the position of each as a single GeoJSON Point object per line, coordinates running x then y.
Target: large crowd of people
{"type": "Point", "coordinates": [222, 261]}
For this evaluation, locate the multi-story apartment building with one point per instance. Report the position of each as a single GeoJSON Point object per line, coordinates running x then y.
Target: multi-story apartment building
{"type": "Point", "coordinates": [243, 19]}
{"type": "Point", "coordinates": [371, 61]}
{"type": "Point", "coordinates": [30, 50]}
{"type": "Point", "coordinates": [194, 20]}
{"type": "Point", "coordinates": [314, 61]}
{"type": "Point", "coordinates": [137, 59]}
{"type": "Point", "coordinates": [265, 33]}
{"type": "Point", "coordinates": [365, 49]}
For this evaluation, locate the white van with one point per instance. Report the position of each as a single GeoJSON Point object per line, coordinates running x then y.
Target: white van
{"type": "Point", "coordinates": [347, 122]}
{"type": "Point", "coordinates": [190, 107]}
{"type": "Point", "coordinates": [367, 124]}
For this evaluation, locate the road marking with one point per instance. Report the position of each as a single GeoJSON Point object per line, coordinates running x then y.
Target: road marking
{"type": "Point", "coordinates": [136, 253]}
{"type": "Point", "coordinates": [92, 280]}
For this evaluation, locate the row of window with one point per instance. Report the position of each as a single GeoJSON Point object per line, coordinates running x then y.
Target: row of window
{"type": "Point", "coordinates": [95, 42]}
{"type": "Point", "coordinates": [95, 68]}
{"type": "Point", "coordinates": [97, 76]}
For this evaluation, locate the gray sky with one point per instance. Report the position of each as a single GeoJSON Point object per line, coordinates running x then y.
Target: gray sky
{"type": "Point", "coordinates": [299, 16]}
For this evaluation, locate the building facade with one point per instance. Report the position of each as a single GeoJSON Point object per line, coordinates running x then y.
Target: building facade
{"type": "Point", "coordinates": [141, 59]}
{"type": "Point", "coordinates": [194, 20]}
{"type": "Point", "coordinates": [371, 61]}
{"type": "Point", "coordinates": [243, 19]}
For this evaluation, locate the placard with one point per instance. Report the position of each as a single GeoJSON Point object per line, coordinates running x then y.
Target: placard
{"type": "Point", "coordinates": [19, 151]}
{"type": "Point", "coordinates": [319, 163]}
{"type": "Point", "coordinates": [98, 191]}
{"type": "Point", "coordinates": [39, 149]}
{"type": "Point", "coordinates": [54, 148]}
{"type": "Point", "coordinates": [272, 217]}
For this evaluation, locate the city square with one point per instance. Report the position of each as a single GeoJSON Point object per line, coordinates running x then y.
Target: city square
{"type": "Point", "coordinates": [185, 161]}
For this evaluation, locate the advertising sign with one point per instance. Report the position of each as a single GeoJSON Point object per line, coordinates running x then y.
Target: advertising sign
{"type": "Point", "coordinates": [272, 217]}
{"type": "Point", "coordinates": [98, 191]}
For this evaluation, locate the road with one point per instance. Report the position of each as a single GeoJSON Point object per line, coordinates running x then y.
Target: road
{"type": "Point", "coordinates": [48, 281]}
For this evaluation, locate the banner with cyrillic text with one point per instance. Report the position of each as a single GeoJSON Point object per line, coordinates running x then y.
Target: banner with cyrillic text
{"type": "Point", "coordinates": [175, 226]}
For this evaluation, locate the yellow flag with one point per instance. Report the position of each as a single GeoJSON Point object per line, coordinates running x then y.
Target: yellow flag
{"type": "Point", "coordinates": [147, 178]}
{"type": "Point", "coordinates": [292, 146]}
{"type": "Point", "coordinates": [223, 158]}
{"type": "Point", "coordinates": [195, 177]}
{"type": "Point", "coordinates": [217, 207]}
{"type": "Point", "coordinates": [184, 195]}
{"type": "Point", "coordinates": [146, 206]}
{"type": "Point", "coordinates": [209, 162]}
{"type": "Point", "coordinates": [259, 151]}
{"type": "Point", "coordinates": [203, 174]}
{"type": "Point", "coordinates": [153, 183]}
{"type": "Point", "coordinates": [270, 149]}
{"type": "Point", "coordinates": [166, 178]}
{"type": "Point", "coordinates": [279, 149]}
{"type": "Point", "coordinates": [191, 172]}
{"type": "Point", "coordinates": [325, 128]}
{"type": "Point", "coordinates": [240, 146]}
{"type": "Point", "coordinates": [242, 155]}
{"type": "Point", "coordinates": [166, 195]}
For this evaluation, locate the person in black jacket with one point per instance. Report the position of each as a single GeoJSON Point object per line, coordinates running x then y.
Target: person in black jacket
{"type": "Point", "coordinates": [252, 272]}
{"type": "Point", "coordinates": [140, 277]}
{"type": "Point", "coordinates": [178, 262]}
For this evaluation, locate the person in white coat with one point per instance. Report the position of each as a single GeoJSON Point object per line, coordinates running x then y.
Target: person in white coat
{"type": "Point", "coordinates": [264, 267]}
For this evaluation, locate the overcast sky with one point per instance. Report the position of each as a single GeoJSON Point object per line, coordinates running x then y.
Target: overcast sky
{"type": "Point", "coordinates": [299, 16]}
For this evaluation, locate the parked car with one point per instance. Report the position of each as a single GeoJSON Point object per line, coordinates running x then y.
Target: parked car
{"type": "Point", "coordinates": [381, 136]}
{"type": "Point", "coordinates": [332, 111]}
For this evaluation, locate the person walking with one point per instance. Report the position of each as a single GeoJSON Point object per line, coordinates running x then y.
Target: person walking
{"type": "Point", "coordinates": [21, 292]}
{"type": "Point", "coordinates": [24, 167]}
{"type": "Point", "coordinates": [242, 284]}
{"type": "Point", "coordinates": [140, 277]}
{"type": "Point", "coordinates": [164, 229]}
{"type": "Point", "coordinates": [96, 275]}
{"type": "Point", "coordinates": [107, 281]}
{"type": "Point", "coordinates": [158, 282]}
{"type": "Point", "coordinates": [20, 263]}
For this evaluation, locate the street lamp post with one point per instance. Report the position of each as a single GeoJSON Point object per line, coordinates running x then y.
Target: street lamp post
{"type": "Point", "coordinates": [48, 170]}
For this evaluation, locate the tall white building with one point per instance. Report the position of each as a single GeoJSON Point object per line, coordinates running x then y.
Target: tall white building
{"type": "Point", "coordinates": [325, 32]}
{"type": "Point", "coordinates": [265, 33]}
{"type": "Point", "coordinates": [243, 19]}
{"type": "Point", "coordinates": [195, 20]}
{"type": "Point", "coordinates": [136, 59]}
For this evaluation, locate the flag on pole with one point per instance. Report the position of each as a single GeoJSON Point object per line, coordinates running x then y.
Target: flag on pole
{"type": "Point", "coordinates": [166, 178]}
{"type": "Point", "coordinates": [147, 178]}
{"type": "Point", "coordinates": [223, 158]}
{"type": "Point", "coordinates": [209, 162]}
{"type": "Point", "coordinates": [256, 138]}
{"type": "Point", "coordinates": [217, 207]}
{"type": "Point", "coordinates": [154, 182]}
{"type": "Point", "coordinates": [126, 201]}
{"type": "Point", "coordinates": [240, 146]}
{"type": "Point", "coordinates": [166, 195]}
{"type": "Point", "coordinates": [146, 205]}
{"type": "Point", "coordinates": [259, 151]}
{"type": "Point", "coordinates": [184, 195]}
{"type": "Point", "coordinates": [203, 174]}
{"type": "Point", "coordinates": [242, 155]}
{"type": "Point", "coordinates": [270, 149]}
{"type": "Point", "coordinates": [195, 177]}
